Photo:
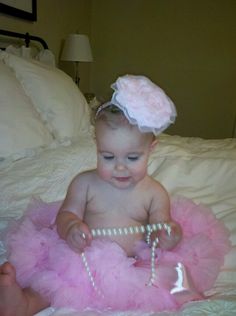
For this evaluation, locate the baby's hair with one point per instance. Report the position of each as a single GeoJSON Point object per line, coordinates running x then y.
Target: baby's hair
{"type": "Point", "coordinates": [112, 116]}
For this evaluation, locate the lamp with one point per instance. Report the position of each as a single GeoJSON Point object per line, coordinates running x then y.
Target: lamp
{"type": "Point", "coordinates": [77, 49]}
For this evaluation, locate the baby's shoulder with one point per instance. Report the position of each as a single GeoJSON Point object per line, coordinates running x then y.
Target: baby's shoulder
{"type": "Point", "coordinates": [152, 183]}
{"type": "Point", "coordinates": [155, 187]}
{"type": "Point", "coordinates": [85, 177]}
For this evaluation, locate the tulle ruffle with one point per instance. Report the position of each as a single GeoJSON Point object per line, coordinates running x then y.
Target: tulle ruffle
{"type": "Point", "coordinates": [44, 262]}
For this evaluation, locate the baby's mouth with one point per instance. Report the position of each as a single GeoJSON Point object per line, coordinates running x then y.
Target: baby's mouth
{"type": "Point", "coordinates": [122, 179]}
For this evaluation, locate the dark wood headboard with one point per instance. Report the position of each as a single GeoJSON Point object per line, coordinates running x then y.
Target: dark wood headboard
{"type": "Point", "coordinates": [27, 37]}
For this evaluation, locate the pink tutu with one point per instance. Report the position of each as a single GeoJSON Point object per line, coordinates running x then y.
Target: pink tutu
{"type": "Point", "coordinates": [45, 263]}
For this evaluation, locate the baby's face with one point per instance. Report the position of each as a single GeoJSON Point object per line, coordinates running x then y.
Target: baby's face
{"type": "Point", "coordinates": [122, 155]}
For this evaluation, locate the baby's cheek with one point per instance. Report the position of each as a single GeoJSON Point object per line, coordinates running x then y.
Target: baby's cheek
{"type": "Point", "coordinates": [139, 173]}
{"type": "Point", "coordinates": [104, 173]}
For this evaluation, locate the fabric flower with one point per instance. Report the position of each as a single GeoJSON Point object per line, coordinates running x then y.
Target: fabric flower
{"type": "Point", "coordinates": [143, 103]}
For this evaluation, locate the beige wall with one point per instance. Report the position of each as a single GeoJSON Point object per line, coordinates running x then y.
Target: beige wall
{"type": "Point", "coordinates": [188, 47]}
{"type": "Point", "coordinates": [55, 20]}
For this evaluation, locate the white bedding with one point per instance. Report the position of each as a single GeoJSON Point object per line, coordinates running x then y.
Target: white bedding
{"type": "Point", "coordinates": [187, 167]}
{"type": "Point", "coordinates": [204, 170]}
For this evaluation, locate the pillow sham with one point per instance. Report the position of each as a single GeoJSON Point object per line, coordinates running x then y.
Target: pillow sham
{"type": "Point", "coordinates": [21, 128]}
{"type": "Point", "coordinates": [55, 96]}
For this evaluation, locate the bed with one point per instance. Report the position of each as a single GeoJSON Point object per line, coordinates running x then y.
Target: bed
{"type": "Point", "coordinates": [47, 138]}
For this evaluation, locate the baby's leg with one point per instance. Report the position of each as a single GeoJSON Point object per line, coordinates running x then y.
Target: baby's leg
{"type": "Point", "coordinates": [15, 301]}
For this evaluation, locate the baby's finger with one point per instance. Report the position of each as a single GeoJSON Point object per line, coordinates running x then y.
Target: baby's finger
{"type": "Point", "coordinates": [83, 238]}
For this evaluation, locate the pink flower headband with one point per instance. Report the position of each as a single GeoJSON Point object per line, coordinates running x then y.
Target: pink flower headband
{"type": "Point", "coordinates": [143, 103]}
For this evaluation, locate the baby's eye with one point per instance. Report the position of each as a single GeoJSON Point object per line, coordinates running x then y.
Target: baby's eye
{"type": "Point", "coordinates": [133, 158]}
{"type": "Point", "coordinates": [108, 157]}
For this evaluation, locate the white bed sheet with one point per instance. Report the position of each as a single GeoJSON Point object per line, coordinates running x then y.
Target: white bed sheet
{"type": "Point", "coordinates": [202, 170]}
{"type": "Point", "coordinates": [212, 307]}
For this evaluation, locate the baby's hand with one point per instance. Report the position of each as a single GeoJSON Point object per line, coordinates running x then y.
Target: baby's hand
{"type": "Point", "coordinates": [78, 236]}
{"type": "Point", "coordinates": [169, 241]}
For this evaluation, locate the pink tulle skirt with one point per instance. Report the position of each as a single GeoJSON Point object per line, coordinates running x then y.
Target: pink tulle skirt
{"type": "Point", "coordinates": [45, 263]}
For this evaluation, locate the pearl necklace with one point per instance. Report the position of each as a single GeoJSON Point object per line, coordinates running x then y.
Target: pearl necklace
{"type": "Point", "coordinates": [130, 230]}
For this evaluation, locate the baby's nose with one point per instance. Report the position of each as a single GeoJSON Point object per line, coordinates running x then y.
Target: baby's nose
{"type": "Point", "coordinates": [120, 166]}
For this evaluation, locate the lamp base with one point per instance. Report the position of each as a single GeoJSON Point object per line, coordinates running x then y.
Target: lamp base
{"type": "Point", "coordinates": [77, 78]}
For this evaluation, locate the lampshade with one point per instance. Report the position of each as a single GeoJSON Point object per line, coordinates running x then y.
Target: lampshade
{"type": "Point", "coordinates": [77, 48]}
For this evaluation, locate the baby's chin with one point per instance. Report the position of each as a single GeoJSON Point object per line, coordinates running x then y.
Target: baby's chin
{"type": "Point", "coordinates": [122, 182]}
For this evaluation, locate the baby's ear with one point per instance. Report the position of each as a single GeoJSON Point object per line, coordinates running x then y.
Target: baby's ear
{"type": "Point", "coordinates": [153, 144]}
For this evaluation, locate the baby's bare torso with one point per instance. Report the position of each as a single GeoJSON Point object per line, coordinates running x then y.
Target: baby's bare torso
{"type": "Point", "coordinates": [109, 207]}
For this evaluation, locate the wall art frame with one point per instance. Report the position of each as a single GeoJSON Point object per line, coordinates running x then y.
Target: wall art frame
{"type": "Point", "coordinates": [18, 9]}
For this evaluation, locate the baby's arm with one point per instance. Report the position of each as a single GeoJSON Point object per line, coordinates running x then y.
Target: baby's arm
{"type": "Point", "coordinates": [69, 221]}
{"type": "Point", "coordinates": [160, 212]}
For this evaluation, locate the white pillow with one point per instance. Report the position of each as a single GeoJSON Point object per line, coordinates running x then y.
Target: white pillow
{"type": "Point", "coordinates": [21, 128]}
{"type": "Point", "coordinates": [60, 103]}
